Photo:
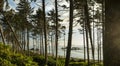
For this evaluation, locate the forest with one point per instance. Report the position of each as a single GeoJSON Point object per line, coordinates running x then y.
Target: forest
{"type": "Point", "coordinates": [45, 32]}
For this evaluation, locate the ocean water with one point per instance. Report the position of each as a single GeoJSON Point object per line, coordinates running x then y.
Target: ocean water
{"type": "Point", "coordinates": [75, 53]}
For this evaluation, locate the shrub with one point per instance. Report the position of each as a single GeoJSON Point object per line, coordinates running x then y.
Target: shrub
{"type": "Point", "coordinates": [39, 59]}
{"type": "Point", "coordinates": [78, 64]}
{"type": "Point", "coordinates": [21, 60]}
{"type": "Point", "coordinates": [51, 61]}
{"type": "Point", "coordinates": [8, 58]}
{"type": "Point", "coordinates": [4, 62]}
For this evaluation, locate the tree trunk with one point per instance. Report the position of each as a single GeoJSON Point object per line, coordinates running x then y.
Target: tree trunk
{"type": "Point", "coordinates": [24, 41]}
{"type": "Point", "coordinates": [3, 38]}
{"type": "Point", "coordinates": [87, 45]}
{"type": "Point", "coordinates": [40, 44]}
{"type": "Point", "coordinates": [98, 49]}
{"type": "Point", "coordinates": [64, 43]}
{"type": "Point", "coordinates": [45, 35]}
{"type": "Point", "coordinates": [1, 5]}
{"type": "Point", "coordinates": [28, 41]}
{"type": "Point", "coordinates": [14, 34]}
{"type": "Point", "coordinates": [52, 46]}
{"type": "Point", "coordinates": [111, 46]}
{"type": "Point", "coordinates": [84, 43]}
{"type": "Point", "coordinates": [33, 45]}
{"type": "Point", "coordinates": [56, 36]}
{"type": "Point", "coordinates": [43, 49]}
{"type": "Point", "coordinates": [103, 25]}
{"type": "Point", "coordinates": [69, 35]}
{"type": "Point", "coordinates": [93, 34]}
{"type": "Point", "coordinates": [88, 27]}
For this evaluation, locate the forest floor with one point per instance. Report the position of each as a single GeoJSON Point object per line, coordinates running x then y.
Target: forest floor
{"type": "Point", "coordinates": [10, 58]}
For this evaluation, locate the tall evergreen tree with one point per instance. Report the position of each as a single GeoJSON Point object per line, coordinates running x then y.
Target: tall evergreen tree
{"type": "Point", "coordinates": [45, 31]}
{"type": "Point", "coordinates": [70, 34]}
{"type": "Point", "coordinates": [56, 36]}
{"type": "Point", "coordinates": [24, 12]}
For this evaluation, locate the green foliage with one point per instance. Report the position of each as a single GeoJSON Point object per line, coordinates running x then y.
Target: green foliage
{"type": "Point", "coordinates": [84, 64]}
{"type": "Point", "coordinates": [61, 61]}
{"type": "Point", "coordinates": [4, 62]}
{"type": "Point", "coordinates": [51, 61]}
{"type": "Point", "coordinates": [39, 59]}
{"type": "Point", "coordinates": [21, 60]}
{"type": "Point", "coordinates": [5, 52]}
{"type": "Point", "coordinates": [8, 58]}
{"type": "Point", "coordinates": [78, 64]}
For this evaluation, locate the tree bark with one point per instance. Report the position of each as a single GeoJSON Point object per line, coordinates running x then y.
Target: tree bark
{"type": "Point", "coordinates": [56, 36]}
{"type": "Point", "coordinates": [111, 46]}
{"type": "Point", "coordinates": [45, 35]}
{"type": "Point", "coordinates": [69, 35]}
{"type": "Point", "coordinates": [84, 43]}
{"type": "Point", "coordinates": [28, 42]}
{"type": "Point", "coordinates": [1, 5]}
{"type": "Point", "coordinates": [3, 38]}
{"type": "Point", "coordinates": [52, 46]}
{"type": "Point", "coordinates": [88, 27]}
{"type": "Point", "coordinates": [64, 43]}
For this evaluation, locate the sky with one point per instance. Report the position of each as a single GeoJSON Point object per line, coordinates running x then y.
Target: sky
{"type": "Point", "coordinates": [77, 37]}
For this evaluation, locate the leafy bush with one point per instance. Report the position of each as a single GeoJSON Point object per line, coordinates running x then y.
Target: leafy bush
{"type": "Point", "coordinates": [39, 59]}
{"type": "Point", "coordinates": [8, 58]}
{"type": "Point", "coordinates": [78, 64]}
{"type": "Point", "coordinates": [51, 61]}
{"type": "Point", "coordinates": [4, 62]}
{"type": "Point", "coordinates": [21, 60]}
{"type": "Point", "coordinates": [61, 62]}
